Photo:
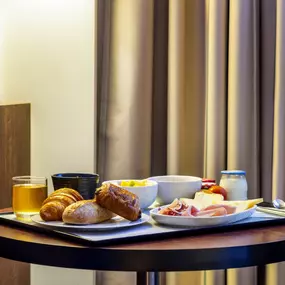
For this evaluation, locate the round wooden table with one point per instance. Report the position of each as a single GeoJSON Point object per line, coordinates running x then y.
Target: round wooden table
{"type": "Point", "coordinates": [255, 247]}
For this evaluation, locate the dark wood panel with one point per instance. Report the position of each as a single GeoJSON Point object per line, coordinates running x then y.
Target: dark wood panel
{"type": "Point", "coordinates": [15, 160]}
{"type": "Point", "coordinates": [14, 272]}
{"type": "Point", "coordinates": [14, 147]}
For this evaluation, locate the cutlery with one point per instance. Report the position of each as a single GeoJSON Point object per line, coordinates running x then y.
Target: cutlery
{"type": "Point", "coordinates": [272, 211]}
{"type": "Point", "coordinates": [278, 204]}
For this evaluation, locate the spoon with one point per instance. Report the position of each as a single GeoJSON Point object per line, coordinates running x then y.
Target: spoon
{"type": "Point", "coordinates": [279, 204]}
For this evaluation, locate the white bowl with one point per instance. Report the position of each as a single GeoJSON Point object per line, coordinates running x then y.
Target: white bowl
{"type": "Point", "coordinates": [147, 194]}
{"type": "Point", "coordinates": [176, 186]}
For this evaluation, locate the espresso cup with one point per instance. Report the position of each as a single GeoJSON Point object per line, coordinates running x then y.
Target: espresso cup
{"type": "Point", "coordinates": [85, 183]}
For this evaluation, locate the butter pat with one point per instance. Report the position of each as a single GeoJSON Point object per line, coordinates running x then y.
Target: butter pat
{"type": "Point", "coordinates": [206, 199]}
{"type": "Point", "coordinates": [191, 202]}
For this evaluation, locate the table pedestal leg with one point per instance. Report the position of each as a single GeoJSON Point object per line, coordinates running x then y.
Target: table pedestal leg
{"type": "Point", "coordinates": [261, 274]}
{"type": "Point", "coordinates": [148, 278]}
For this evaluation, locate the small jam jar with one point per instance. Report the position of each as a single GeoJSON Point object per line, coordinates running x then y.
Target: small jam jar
{"type": "Point", "coordinates": [207, 183]}
{"type": "Point", "coordinates": [234, 182]}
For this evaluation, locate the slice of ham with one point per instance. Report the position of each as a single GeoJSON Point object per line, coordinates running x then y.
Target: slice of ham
{"type": "Point", "coordinates": [169, 212]}
{"type": "Point", "coordinates": [187, 212]}
{"type": "Point", "coordinates": [180, 208]}
{"type": "Point", "coordinates": [221, 211]}
{"type": "Point", "coordinates": [229, 209]}
{"type": "Point", "coordinates": [190, 211]}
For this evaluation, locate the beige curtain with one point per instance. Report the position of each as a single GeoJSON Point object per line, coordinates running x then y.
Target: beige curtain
{"type": "Point", "coordinates": [193, 87]}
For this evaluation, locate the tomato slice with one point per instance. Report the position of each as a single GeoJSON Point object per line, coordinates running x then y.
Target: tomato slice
{"type": "Point", "coordinates": [218, 190]}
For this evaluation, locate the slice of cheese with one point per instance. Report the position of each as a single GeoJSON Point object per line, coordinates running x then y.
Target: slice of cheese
{"type": "Point", "coordinates": [206, 199]}
{"type": "Point", "coordinates": [191, 202]}
{"type": "Point", "coordinates": [203, 200]}
{"type": "Point", "coordinates": [243, 205]}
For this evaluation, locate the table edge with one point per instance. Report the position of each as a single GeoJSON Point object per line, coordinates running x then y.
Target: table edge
{"type": "Point", "coordinates": [98, 258]}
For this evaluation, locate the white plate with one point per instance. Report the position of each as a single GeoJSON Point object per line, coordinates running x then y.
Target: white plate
{"type": "Point", "coordinates": [199, 221]}
{"type": "Point", "coordinates": [115, 223]}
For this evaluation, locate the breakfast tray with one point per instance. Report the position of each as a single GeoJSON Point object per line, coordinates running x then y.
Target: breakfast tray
{"type": "Point", "coordinates": [145, 232]}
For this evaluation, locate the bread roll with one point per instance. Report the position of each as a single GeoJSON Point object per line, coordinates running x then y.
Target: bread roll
{"type": "Point", "coordinates": [119, 201]}
{"type": "Point", "coordinates": [86, 212]}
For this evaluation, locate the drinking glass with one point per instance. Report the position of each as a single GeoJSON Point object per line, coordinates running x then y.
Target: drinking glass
{"type": "Point", "coordinates": [29, 192]}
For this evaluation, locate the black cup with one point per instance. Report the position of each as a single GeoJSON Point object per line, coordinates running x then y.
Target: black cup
{"type": "Point", "coordinates": [85, 183]}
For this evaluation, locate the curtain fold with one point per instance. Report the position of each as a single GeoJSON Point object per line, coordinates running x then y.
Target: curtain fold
{"type": "Point", "coordinates": [160, 88]}
{"type": "Point", "coordinates": [193, 87]}
{"type": "Point", "coordinates": [176, 82]}
{"type": "Point", "coordinates": [241, 119]}
{"type": "Point", "coordinates": [267, 74]}
{"type": "Point", "coordinates": [216, 88]}
{"type": "Point", "coordinates": [130, 90]}
{"type": "Point", "coordinates": [278, 177]}
{"type": "Point", "coordinates": [278, 182]}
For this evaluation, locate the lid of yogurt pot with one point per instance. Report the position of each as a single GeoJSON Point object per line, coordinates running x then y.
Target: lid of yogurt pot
{"type": "Point", "coordinates": [233, 172]}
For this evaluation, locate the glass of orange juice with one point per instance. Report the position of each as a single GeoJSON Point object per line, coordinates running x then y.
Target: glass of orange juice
{"type": "Point", "coordinates": [29, 192]}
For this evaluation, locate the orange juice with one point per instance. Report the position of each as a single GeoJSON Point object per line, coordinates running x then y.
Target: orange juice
{"type": "Point", "coordinates": [28, 199]}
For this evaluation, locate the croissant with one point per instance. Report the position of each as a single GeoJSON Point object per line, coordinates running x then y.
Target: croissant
{"type": "Point", "coordinates": [55, 204]}
{"type": "Point", "coordinates": [69, 191]}
{"type": "Point", "coordinates": [119, 201]}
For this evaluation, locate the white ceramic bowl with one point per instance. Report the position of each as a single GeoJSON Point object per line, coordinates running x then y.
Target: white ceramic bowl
{"type": "Point", "coordinates": [147, 194]}
{"type": "Point", "coordinates": [176, 186]}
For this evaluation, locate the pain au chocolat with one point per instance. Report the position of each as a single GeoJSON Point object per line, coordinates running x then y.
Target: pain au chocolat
{"type": "Point", "coordinates": [119, 201]}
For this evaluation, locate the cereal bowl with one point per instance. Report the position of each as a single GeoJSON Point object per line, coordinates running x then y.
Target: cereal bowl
{"type": "Point", "coordinates": [176, 186]}
{"type": "Point", "coordinates": [146, 193]}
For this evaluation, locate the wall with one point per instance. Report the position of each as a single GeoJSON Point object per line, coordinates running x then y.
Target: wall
{"type": "Point", "coordinates": [2, 18]}
{"type": "Point", "coordinates": [47, 58]}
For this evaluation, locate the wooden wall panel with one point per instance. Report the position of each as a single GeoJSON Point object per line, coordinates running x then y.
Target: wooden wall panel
{"type": "Point", "coordinates": [15, 149]}
{"type": "Point", "coordinates": [15, 159]}
{"type": "Point", "coordinates": [14, 272]}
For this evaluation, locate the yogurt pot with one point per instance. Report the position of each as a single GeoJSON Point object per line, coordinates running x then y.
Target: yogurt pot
{"type": "Point", "coordinates": [234, 182]}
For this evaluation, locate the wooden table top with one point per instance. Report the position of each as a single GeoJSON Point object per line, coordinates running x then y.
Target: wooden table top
{"type": "Point", "coordinates": [232, 249]}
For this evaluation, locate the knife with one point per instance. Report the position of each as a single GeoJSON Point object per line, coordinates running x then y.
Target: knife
{"type": "Point", "coordinates": [272, 211]}
{"type": "Point", "coordinates": [266, 204]}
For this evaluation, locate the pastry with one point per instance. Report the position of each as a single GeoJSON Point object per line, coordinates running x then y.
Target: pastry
{"type": "Point", "coordinates": [66, 199]}
{"type": "Point", "coordinates": [54, 205]}
{"type": "Point", "coordinates": [86, 212]}
{"type": "Point", "coordinates": [52, 211]}
{"type": "Point", "coordinates": [119, 201]}
{"type": "Point", "coordinates": [69, 191]}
